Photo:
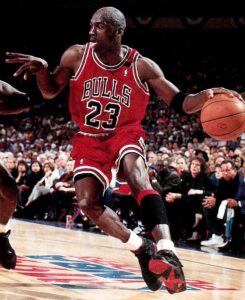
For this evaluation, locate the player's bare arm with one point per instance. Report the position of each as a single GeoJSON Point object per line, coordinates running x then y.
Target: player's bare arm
{"type": "Point", "coordinates": [52, 85]}
{"type": "Point", "coordinates": [150, 72]}
{"type": "Point", "coordinates": [49, 83]}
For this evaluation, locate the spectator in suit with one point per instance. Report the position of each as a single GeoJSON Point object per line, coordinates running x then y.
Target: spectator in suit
{"type": "Point", "coordinates": [238, 204]}
{"type": "Point", "coordinates": [227, 189]}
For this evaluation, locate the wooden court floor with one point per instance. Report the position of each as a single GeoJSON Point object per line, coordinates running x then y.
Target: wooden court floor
{"type": "Point", "coordinates": [59, 263]}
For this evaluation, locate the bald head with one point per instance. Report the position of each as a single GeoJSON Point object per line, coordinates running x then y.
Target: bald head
{"type": "Point", "coordinates": [111, 15]}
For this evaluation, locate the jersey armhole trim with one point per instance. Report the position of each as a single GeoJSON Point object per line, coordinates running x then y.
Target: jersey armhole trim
{"type": "Point", "coordinates": [83, 61]}
{"type": "Point", "coordinates": [143, 86]}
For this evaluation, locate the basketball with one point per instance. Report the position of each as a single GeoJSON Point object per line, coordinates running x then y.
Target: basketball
{"type": "Point", "coordinates": [223, 117]}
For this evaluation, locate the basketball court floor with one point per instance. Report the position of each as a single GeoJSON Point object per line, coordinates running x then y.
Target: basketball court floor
{"type": "Point", "coordinates": [58, 263]}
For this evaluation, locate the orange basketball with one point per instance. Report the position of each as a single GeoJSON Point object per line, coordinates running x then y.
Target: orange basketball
{"type": "Point", "coordinates": [223, 117]}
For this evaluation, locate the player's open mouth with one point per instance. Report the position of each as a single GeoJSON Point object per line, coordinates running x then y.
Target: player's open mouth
{"type": "Point", "coordinates": [92, 39]}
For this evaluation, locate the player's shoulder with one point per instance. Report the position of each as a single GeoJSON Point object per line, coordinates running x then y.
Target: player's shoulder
{"type": "Point", "coordinates": [147, 68]}
{"type": "Point", "coordinates": [72, 56]}
{"type": "Point", "coordinates": [75, 49]}
{"type": "Point", "coordinates": [145, 61]}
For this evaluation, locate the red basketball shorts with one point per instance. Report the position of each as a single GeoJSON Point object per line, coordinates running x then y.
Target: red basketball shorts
{"type": "Point", "coordinates": [98, 154]}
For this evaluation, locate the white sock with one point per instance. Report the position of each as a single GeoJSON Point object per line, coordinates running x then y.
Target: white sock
{"type": "Point", "coordinates": [134, 242]}
{"type": "Point", "coordinates": [165, 244]}
{"type": "Point", "coordinates": [3, 228]}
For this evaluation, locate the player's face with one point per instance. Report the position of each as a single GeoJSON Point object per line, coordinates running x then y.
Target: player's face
{"type": "Point", "coordinates": [102, 32]}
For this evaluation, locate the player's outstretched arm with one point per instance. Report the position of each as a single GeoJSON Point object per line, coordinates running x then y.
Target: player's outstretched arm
{"type": "Point", "coordinates": [150, 72]}
{"type": "Point", "coordinates": [49, 83]}
{"type": "Point", "coordinates": [32, 65]}
{"type": "Point", "coordinates": [12, 101]}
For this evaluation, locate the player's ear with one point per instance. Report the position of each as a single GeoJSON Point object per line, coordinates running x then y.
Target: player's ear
{"type": "Point", "coordinates": [119, 30]}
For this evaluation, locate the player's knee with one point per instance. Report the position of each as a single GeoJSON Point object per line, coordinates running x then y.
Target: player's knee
{"type": "Point", "coordinates": [88, 206]}
{"type": "Point", "coordinates": [84, 204]}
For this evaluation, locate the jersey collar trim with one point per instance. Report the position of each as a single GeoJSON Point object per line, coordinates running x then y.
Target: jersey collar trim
{"type": "Point", "coordinates": [114, 67]}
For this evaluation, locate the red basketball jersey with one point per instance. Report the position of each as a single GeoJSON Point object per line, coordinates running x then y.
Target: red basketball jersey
{"type": "Point", "coordinates": [104, 98]}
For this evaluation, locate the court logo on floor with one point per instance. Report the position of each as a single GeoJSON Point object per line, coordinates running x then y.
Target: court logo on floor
{"type": "Point", "coordinates": [92, 273]}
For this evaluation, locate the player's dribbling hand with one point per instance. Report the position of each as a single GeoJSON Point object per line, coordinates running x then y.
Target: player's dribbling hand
{"type": "Point", "coordinates": [29, 64]}
{"type": "Point", "coordinates": [220, 90]}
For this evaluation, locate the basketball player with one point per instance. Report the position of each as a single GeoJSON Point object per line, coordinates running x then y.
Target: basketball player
{"type": "Point", "coordinates": [12, 101]}
{"type": "Point", "coordinates": [108, 98]}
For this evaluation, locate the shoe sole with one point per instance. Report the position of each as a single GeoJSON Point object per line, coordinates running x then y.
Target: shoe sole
{"type": "Point", "coordinates": [221, 245]}
{"type": "Point", "coordinates": [155, 287]}
{"type": "Point", "coordinates": [169, 276]}
{"type": "Point", "coordinates": [215, 245]}
{"type": "Point", "coordinates": [8, 263]}
{"type": "Point", "coordinates": [208, 245]}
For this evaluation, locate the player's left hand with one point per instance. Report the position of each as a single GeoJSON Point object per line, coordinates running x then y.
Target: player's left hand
{"type": "Point", "coordinates": [195, 102]}
{"type": "Point", "coordinates": [220, 90]}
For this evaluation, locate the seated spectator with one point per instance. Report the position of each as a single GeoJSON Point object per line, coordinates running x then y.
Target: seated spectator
{"type": "Point", "coordinates": [201, 153]}
{"type": "Point", "coordinates": [151, 158]}
{"type": "Point", "coordinates": [238, 161]}
{"type": "Point", "coordinates": [61, 196]}
{"type": "Point", "coordinates": [219, 158]}
{"type": "Point", "coordinates": [159, 155]}
{"type": "Point", "coordinates": [194, 185]}
{"type": "Point", "coordinates": [44, 185]}
{"type": "Point", "coordinates": [35, 174]}
{"type": "Point", "coordinates": [164, 177]}
{"type": "Point", "coordinates": [21, 180]}
{"type": "Point", "coordinates": [10, 164]}
{"type": "Point", "coordinates": [181, 165]}
{"type": "Point", "coordinates": [237, 242]}
{"type": "Point", "coordinates": [227, 189]}
{"type": "Point", "coordinates": [61, 161]}
{"type": "Point", "coordinates": [63, 191]}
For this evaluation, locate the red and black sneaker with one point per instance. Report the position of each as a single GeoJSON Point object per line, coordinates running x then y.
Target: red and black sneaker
{"type": "Point", "coordinates": [166, 265]}
{"type": "Point", "coordinates": [144, 255]}
{"type": "Point", "coordinates": [7, 253]}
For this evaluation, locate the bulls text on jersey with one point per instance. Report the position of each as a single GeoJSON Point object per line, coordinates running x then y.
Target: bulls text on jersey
{"type": "Point", "coordinates": [98, 87]}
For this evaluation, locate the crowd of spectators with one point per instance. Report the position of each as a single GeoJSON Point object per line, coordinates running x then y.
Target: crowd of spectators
{"type": "Point", "coordinates": [195, 200]}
